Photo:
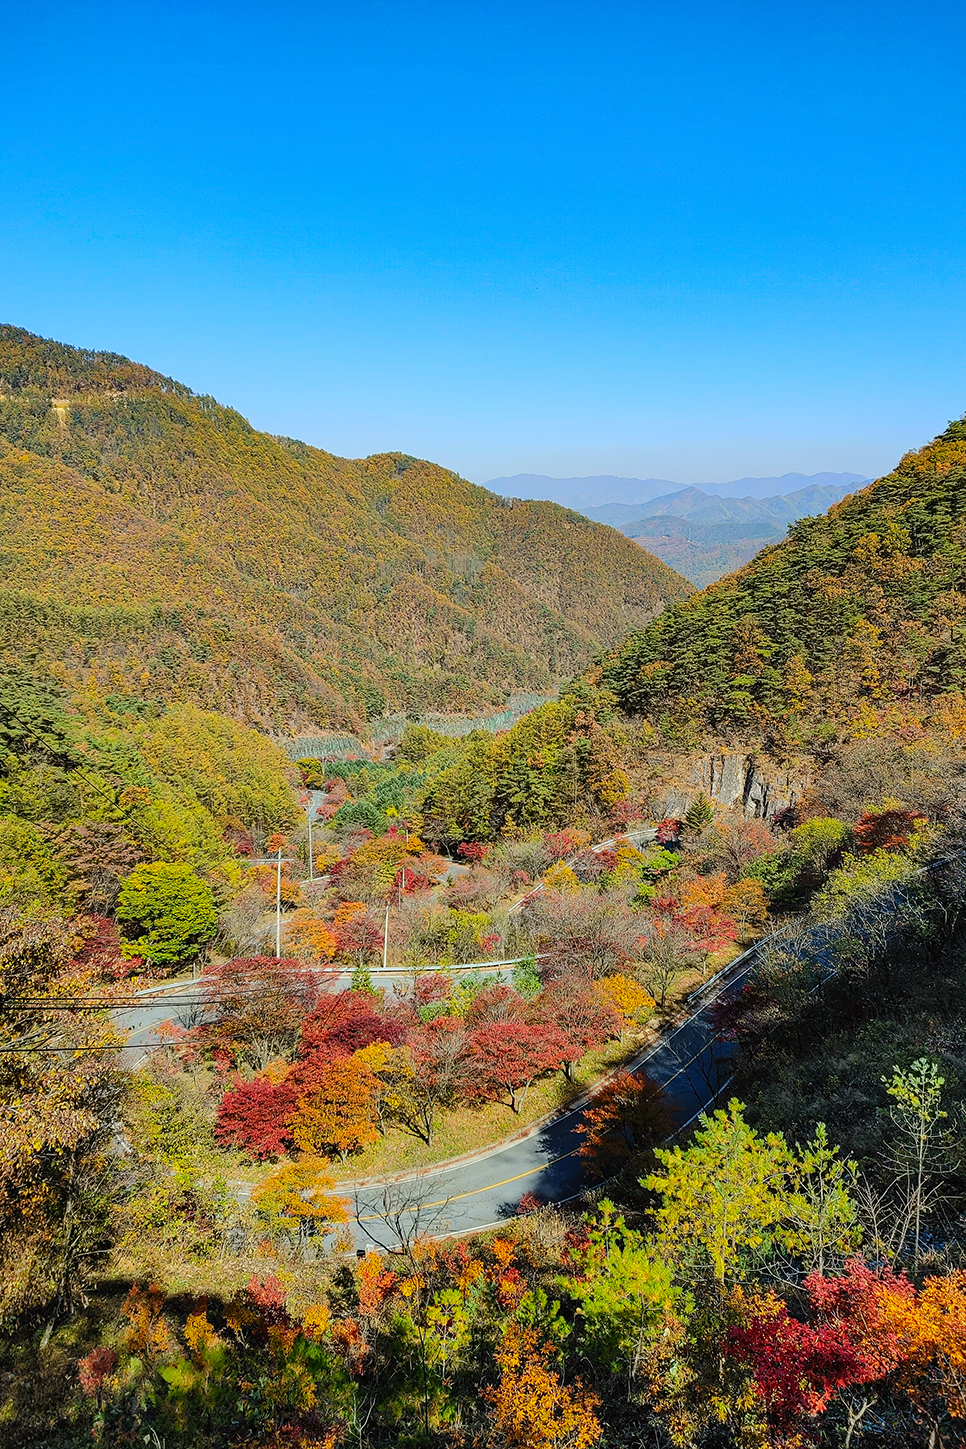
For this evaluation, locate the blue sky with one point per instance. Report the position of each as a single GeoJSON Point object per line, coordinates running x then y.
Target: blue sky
{"type": "Point", "coordinates": [692, 241]}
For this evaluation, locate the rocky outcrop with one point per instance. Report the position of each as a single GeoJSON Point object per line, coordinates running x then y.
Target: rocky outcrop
{"type": "Point", "coordinates": [746, 783]}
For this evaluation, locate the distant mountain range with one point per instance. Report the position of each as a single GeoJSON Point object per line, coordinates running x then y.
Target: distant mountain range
{"type": "Point", "coordinates": [702, 532]}
{"type": "Point", "coordinates": [584, 494]}
{"type": "Point", "coordinates": [830, 627]}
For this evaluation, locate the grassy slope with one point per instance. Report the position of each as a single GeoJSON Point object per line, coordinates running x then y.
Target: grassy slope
{"type": "Point", "coordinates": [157, 540]}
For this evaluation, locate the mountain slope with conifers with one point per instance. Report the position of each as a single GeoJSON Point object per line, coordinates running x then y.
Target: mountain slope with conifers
{"type": "Point", "coordinates": [154, 543]}
{"type": "Point", "coordinates": [857, 620]}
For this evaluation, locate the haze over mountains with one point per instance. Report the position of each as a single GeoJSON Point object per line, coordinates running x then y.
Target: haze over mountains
{"type": "Point", "coordinates": [583, 494]}
{"type": "Point", "coordinates": [723, 525]}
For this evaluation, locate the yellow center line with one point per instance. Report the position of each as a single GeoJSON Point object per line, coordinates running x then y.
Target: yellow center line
{"type": "Point", "coordinates": [490, 1187]}
{"type": "Point", "coordinates": [531, 1172]}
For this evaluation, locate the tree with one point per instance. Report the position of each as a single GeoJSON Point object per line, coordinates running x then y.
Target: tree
{"type": "Point", "coordinates": [798, 1368]}
{"type": "Point", "coordinates": [340, 1112]}
{"type": "Point", "coordinates": [917, 1152]}
{"type": "Point", "coordinates": [298, 1196]}
{"type": "Point", "coordinates": [34, 727]}
{"type": "Point", "coordinates": [699, 814]}
{"type": "Point", "coordinates": [930, 1333]}
{"type": "Point", "coordinates": [823, 1220]}
{"type": "Point", "coordinates": [508, 1056]}
{"type": "Point", "coordinates": [361, 980]}
{"type": "Point", "coordinates": [627, 1118]}
{"type": "Point", "coordinates": [255, 1116]}
{"type": "Point", "coordinates": [725, 1193]}
{"type": "Point", "coordinates": [342, 1023]}
{"type": "Point", "coordinates": [561, 878]}
{"type": "Point", "coordinates": [254, 1007]}
{"type": "Point", "coordinates": [885, 830]}
{"type": "Point", "coordinates": [61, 1092]}
{"type": "Point", "coordinates": [747, 905]}
{"type": "Point", "coordinates": [532, 1409]}
{"type": "Point", "coordinates": [589, 932]}
{"type": "Point", "coordinates": [439, 1072]}
{"type": "Point", "coordinates": [526, 978]}
{"type": "Point", "coordinates": [166, 913]}
{"type": "Point", "coordinates": [584, 1017]}
{"type": "Point", "coordinates": [359, 934]}
{"type": "Point", "coordinates": [625, 1291]}
{"type": "Point", "coordinates": [628, 998]}
{"type": "Point", "coordinates": [309, 936]}
{"type": "Point", "coordinates": [97, 856]}
{"type": "Point", "coordinates": [668, 949]}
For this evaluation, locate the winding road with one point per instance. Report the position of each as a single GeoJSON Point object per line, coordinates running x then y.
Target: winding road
{"type": "Point", "coordinates": [690, 1061]}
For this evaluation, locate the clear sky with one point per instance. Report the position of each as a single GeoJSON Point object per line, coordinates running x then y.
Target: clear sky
{"type": "Point", "coordinates": [685, 240]}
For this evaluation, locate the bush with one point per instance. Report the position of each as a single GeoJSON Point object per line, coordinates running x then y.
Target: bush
{"type": "Point", "coordinates": [166, 913]}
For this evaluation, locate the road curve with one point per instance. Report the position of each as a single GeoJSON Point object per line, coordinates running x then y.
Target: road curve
{"type": "Point", "coordinates": [690, 1061]}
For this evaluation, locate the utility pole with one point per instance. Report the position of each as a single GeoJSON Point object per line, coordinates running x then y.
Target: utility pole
{"type": "Point", "coordinates": [278, 908]}
{"type": "Point", "coordinates": [385, 942]}
{"type": "Point", "coordinates": [309, 813]}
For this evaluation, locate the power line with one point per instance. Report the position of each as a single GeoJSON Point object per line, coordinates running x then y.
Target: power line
{"type": "Point", "coordinates": [46, 744]}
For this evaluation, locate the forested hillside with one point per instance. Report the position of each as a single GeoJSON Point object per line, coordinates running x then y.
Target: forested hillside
{"type": "Point", "coordinates": [156, 544]}
{"type": "Point", "coordinates": [855, 622]}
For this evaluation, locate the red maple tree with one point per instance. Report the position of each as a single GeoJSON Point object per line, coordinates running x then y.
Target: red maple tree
{"type": "Point", "coordinates": [508, 1056]}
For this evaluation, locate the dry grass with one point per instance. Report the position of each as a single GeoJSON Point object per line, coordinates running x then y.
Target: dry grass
{"type": "Point", "coordinates": [473, 1129]}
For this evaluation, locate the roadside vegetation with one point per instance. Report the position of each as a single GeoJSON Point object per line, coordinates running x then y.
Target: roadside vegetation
{"type": "Point", "coordinates": [152, 1283]}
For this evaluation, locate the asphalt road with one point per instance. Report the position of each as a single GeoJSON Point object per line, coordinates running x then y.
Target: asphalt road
{"type": "Point", "coordinates": [692, 1064]}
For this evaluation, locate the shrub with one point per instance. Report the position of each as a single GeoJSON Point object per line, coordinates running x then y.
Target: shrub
{"type": "Point", "coordinates": [166, 913]}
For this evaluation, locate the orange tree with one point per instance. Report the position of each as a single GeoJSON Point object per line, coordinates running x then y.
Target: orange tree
{"type": "Point", "coordinates": [339, 1114]}
{"type": "Point", "coordinates": [628, 1116]}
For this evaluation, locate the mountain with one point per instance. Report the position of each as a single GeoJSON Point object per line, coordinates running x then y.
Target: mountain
{"type": "Point", "coordinates": [717, 535]}
{"type": "Point", "coordinates": [777, 512]}
{"type": "Point", "coordinates": [857, 619]}
{"type": "Point", "coordinates": [702, 552]}
{"type": "Point", "coordinates": [581, 493]}
{"type": "Point", "coordinates": [156, 547]}
{"type": "Point", "coordinates": [787, 483]}
{"type": "Point", "coordinates": [618, 495]}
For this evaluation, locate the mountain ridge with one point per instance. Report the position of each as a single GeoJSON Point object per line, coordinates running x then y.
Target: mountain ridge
{"type": "Point", "coordinates": [598, 491]}
{"type": "Point", "coordinates": [856, 621]}
{"type": "Point", "coordinates": [156, 546]}
{"type": "Point", "coordinates": [716, 535]}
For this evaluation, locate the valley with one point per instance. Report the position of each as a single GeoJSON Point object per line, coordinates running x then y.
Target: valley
{"type": "Point", "coordinates": [599, 1045]}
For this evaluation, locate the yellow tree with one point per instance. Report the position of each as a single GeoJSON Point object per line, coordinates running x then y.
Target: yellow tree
{"type": "Point", "coordinates": [561, 878]}
{"type": "Point", "coordinates": [747, 905]}
{"type": "Point", "coordinates": [60, 1093]}
{"type": "Point", "coordinates": [724, 1193]}
{"type": "Point", "coordinates": [628, 998]}
{"type": "Point", "coordinates": [531, 1407]}
{"type": "Point", "coordinates": [298, 1197]}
